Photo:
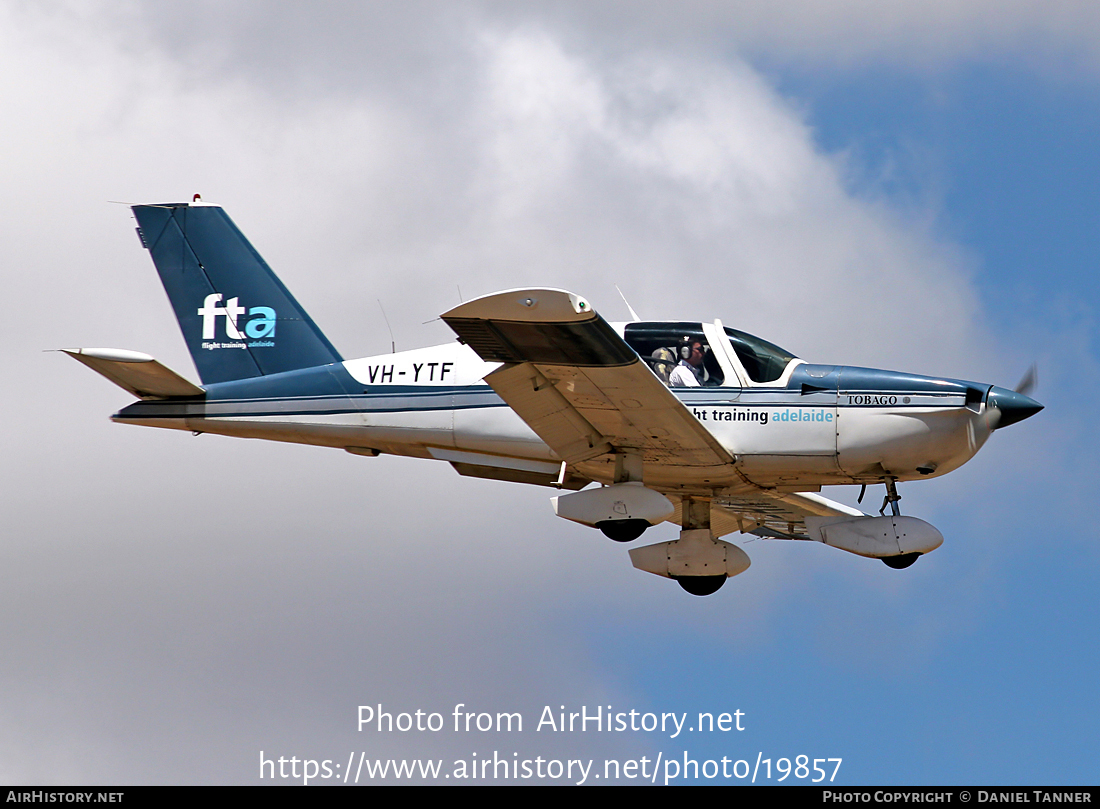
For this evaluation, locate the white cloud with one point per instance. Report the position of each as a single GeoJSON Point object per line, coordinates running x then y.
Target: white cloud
{"type": "Point", "coordinates": [908, 33]}
{"type": "Point", "coordinates": [698, 189]}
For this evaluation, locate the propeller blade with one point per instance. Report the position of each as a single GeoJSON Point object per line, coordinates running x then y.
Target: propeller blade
{"type": "Point", "coordinates": [1029, 382]}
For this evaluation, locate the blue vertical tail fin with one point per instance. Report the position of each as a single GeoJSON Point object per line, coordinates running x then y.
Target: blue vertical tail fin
{"type": "Point", "coordinates": [237, 318]}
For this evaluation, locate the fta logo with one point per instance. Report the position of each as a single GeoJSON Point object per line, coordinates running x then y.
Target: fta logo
{"type": "Point", "coordinates": [260, 324]}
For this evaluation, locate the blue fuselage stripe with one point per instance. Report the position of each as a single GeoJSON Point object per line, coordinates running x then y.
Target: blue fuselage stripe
{"type": "Point", "coordinates": [411, 399]}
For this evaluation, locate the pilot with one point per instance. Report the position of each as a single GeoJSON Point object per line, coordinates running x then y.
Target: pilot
{"type": "Point", "coordinates": [690, 372]}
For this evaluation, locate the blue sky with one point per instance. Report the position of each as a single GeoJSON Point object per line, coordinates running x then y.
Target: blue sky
{"type": "Point", "coordinates": [892, 187]}
{"type": "Point", "coordinates": [1002, 150]}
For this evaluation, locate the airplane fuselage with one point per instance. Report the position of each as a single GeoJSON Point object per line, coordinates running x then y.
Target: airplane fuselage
{"type": "Point", "coordinates": [817, 425]}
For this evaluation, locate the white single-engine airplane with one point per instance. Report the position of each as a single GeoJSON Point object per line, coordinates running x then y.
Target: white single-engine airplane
{"type": "Point", "coordinates": [694, 423]}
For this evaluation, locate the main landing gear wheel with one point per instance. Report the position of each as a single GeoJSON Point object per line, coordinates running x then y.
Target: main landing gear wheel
{"type": "Point", "coordinates": [623, 530]}
{"type": "Point", "coordinates": [901, 561]}
{"type": "Point", "coordinates": [701, 585]}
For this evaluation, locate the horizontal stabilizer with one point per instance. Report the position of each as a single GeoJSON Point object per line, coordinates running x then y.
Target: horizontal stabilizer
{"type": "Point", "coordinates": [135, 372]}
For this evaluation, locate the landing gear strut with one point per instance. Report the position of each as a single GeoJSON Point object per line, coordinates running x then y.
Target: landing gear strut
{"type": "Point", "coordinates": [695, 516]}
{"type": "Point", "coordinates": [697, 561]}
{"type": "Point", "coordinates": [892, 497]}
{"type": "Point", "coordinates": [904, 560]}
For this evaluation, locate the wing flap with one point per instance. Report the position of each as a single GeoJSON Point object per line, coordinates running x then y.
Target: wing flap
{"type": "Point", "coordinates": [776, 515]}
{"type": "Point", "coordinates": [546, 411]}
{"type": "Point", "coordinates": [633, 409]}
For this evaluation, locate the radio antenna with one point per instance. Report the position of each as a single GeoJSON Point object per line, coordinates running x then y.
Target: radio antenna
{"type": "Point", "coordinates": [629, 308]}
{"type": "Point", "coordinates": [393, 343]}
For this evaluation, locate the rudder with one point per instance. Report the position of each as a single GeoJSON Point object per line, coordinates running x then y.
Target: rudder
{"type": "Point", "coordinates": [237, 318]}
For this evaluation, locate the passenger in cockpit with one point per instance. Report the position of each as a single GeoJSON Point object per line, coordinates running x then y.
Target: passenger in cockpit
{"type": "Point", "coordinates": [663, 362]}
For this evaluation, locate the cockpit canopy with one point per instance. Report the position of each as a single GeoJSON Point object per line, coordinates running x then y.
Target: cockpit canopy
{"type": "Point", "coordinates": [664, 344]}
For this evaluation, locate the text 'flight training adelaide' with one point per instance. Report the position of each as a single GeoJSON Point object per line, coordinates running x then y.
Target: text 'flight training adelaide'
{"type": "Point", "coordinates": [692, 423]}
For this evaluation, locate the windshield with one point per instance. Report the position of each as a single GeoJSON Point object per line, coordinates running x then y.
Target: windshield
{"type": "Point", "coordinates": [763, 361]}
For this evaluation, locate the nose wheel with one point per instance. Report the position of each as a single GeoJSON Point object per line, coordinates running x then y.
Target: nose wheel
{"type": "Point", "coordinates": [700, 585]}
{"type": "Point", "coordinates": [902, 560]}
